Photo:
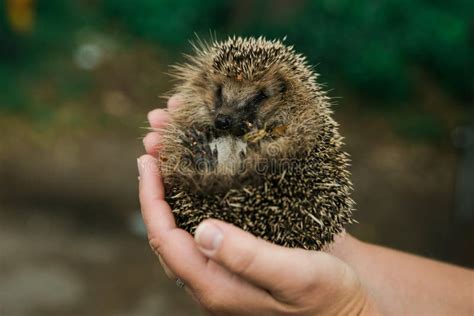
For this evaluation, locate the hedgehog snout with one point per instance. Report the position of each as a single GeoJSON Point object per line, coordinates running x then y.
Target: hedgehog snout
{"type": "Point", "coordinates": [236, 125]}
{"type": "Point", "coordinates": [223, 121]}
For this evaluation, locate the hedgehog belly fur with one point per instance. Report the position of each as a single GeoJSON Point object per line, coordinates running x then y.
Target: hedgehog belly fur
{"type": "Point", "coordinates": [229, 152]}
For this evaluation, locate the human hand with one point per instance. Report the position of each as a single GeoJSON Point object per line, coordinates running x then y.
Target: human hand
{"type": "Point", "coordinates": [231, 272]}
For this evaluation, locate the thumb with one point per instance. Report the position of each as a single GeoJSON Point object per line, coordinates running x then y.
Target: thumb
{"type": "Point", "coordinates": [262, 263]}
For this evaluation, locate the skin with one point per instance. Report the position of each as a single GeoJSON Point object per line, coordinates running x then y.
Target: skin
{"type": "Point", "coordinates": [230, 272]}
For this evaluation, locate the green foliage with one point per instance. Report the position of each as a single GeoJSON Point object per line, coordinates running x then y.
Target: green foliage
{"type": "Point", "coordinates": [420, 127]}
{"type": "Point", "coordinates": [372, 47]}
{"type": "Point", "coordinates": [168, 22]}
{"type": "Point", "coordinates": [26, 58]}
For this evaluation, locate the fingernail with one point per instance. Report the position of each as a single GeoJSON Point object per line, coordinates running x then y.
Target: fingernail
{"type": "Point", "coordinates": [208, 236]}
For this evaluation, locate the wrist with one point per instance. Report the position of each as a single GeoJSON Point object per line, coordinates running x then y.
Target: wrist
{"type": "Point", "coordinates": [354, 252]}
{"type": "Point", "coordinates": [355, 300]}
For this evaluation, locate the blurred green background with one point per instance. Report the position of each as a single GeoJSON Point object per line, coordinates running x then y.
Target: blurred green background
{"type": "Point", "coordinates": [78, 77]}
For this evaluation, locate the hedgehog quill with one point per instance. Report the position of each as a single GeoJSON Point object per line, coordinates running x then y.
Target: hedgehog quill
{"type": "Point", "coordinates": [254, 144]}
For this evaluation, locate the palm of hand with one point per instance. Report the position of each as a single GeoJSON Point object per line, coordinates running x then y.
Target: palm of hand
{"type": "Point", "coordinates": [229, 271]}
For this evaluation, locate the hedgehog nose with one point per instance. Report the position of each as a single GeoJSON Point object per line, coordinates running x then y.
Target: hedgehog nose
{"type": "Point", "coordinates": [223, 121]}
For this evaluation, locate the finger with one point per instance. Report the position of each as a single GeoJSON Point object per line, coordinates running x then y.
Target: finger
{"type": "Point", "coordinates": [228, 294]}
{"type": "Point", "coordinates": [167, 270]}
{"type": "Point", "coordinates": [152, 143]}
{"type": "Point", "coordinates": [214, 286]}
{"type": "Point", "coordinates": [158, 118]}
{"type": "Point", "coordinates": [175, 246]}
{"type": "Point", "coordinates": [174, 102]}
{"type": "Point", "coordinates": [183, 260]}
{"type": "Point", "coordinates": [262, 263]}
{"type": "Point", "coordinates": [155, 211]}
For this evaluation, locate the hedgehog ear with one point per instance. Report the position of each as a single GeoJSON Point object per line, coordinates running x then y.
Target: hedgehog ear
{"type": "Point", "coordinates": [278, 86]}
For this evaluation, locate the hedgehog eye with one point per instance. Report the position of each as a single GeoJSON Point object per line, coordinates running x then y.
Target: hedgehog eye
{"type": "Point", "coordinates": [218, 96]}
{"type": "Point", "coordinates": [260, 97]}
{"type": "Point", "coordinates": [282, 86]}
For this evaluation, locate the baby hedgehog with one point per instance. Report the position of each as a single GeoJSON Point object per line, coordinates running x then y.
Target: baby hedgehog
{"type": "Point", "coordinates": [253, 143]}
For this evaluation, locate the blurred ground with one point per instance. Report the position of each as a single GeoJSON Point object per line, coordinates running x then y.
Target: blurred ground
{"type": "Point", "coordinates": [55, 264]}
{"type": "Point", "coordinates": [68, 179]}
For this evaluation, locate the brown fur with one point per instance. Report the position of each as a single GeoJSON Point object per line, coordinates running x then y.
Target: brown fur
{"type": "Point", "coordinates": [302, 199]}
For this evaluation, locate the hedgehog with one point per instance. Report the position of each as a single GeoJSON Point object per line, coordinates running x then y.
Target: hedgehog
{"type": "Point", "coordinates": [254, 144]}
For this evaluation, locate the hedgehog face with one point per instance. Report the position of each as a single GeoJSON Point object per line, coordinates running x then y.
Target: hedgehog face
{"type": "Point", "coordinates": [240, 106]}
{"type": "Point", "coordinates": [245, 101]}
